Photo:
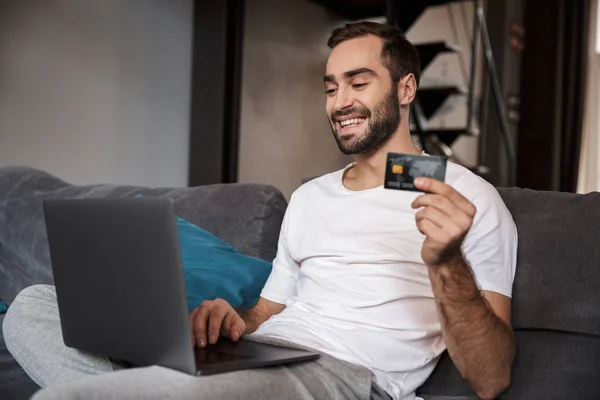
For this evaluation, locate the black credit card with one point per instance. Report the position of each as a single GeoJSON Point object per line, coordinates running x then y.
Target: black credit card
{"type": "Point", "coordinates": [402, 169]}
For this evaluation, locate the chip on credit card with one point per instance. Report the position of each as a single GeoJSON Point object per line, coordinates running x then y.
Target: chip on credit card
{"type": "Point", "coordinates": [402, 169]}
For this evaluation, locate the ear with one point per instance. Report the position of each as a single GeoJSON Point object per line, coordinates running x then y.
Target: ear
{"type": "Point", "coordinates": [407, 89]}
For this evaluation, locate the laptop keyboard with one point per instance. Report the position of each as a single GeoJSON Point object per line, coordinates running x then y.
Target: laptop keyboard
{"type": "Point", "coordinates": [214, 355]}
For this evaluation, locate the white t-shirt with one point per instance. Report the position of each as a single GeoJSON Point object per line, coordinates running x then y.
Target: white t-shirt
{"type": "Point", "coordinates": [349, 270]}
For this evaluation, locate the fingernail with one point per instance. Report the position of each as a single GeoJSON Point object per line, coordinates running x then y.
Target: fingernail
{"type": "Point", "coordinates": [201, 343]}
{"type": "Point", "coordinates": [419, 181]}
{"type": "Point", "coordinates": [212, 339]}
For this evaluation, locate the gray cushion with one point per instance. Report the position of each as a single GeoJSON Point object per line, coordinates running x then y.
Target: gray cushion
{"type": "Point", "coordinates": [557, 283]}
{"type": "Point", "coordinates": [549, 365]}
{"type": "Point", "coordinates": [247, 216]}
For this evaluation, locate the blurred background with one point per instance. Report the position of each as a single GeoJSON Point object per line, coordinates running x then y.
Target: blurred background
{"type": "Point", "coordinates": [182, 92]}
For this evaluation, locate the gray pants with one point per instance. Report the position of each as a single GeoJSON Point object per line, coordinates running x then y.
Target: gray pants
{"type": "Point", "coordinates": [33, 336]}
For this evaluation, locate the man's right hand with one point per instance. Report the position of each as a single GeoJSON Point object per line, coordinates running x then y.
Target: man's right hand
{"type": "Point", "coordinates": [213, 318]}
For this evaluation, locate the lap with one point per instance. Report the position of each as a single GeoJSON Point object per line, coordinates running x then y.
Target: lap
{"type": "Point", "coordinates": [34, 334]}
{"type": "Point", "coordinates": [302, 381]}
{"type": "Point", "coordinates": [439, 397]}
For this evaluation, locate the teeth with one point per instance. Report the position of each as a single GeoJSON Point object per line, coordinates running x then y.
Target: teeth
{"type": "Point", "coordinates": [353, 121]}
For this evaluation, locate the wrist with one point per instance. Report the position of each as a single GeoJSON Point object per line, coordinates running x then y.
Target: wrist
{"type": "Point", "coordinates": [454, 281]}
{"type": "Point", "coordinates": [449, 263]}
{"type": "Point", "coordinates": [253, 318]}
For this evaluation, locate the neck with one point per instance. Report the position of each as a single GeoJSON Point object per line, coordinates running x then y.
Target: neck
{"type": "Point", "coordinates": [370, 168]}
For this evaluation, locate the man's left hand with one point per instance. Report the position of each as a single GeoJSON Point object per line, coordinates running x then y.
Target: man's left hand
{"type": "Point", "coordinates": [445, 220]}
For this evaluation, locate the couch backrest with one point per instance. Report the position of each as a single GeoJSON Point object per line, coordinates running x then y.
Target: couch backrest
{"type": "Point", "coordinates": [557, 284]}
{"type": "Point", "coordinates": [248, 216]}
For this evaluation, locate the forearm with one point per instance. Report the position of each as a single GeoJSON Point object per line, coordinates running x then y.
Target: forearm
{"type": "Point", "coordinates": [481, 345]}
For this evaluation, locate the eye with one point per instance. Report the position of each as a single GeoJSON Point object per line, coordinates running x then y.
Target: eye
{"type": "Point", "coordinates": [359, 85]}
{"type": "Point", "coordinates": [330, 92]}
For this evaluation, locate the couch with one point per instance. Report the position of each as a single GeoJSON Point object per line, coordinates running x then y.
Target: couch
{"type": "Point", "coordinates": [556, 295]}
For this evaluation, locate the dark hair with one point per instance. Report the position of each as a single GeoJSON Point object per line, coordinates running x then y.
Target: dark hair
{"type": "Point", "coordinates": [399, 55]}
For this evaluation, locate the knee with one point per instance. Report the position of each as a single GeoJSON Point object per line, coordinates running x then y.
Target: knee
{"type": "Point", "coordinates": [33, 294]}
{"type": "Point", "coordinates": [29, 298]}
{"type": "Point", "coordinates": [23, 308]}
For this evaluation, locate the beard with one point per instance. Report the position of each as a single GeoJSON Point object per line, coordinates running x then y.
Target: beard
{"type": "Point", "coordinates": [383, 123]}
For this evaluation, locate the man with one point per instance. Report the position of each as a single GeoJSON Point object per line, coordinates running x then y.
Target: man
{"type": "Point", "coordinates": [380, 281]}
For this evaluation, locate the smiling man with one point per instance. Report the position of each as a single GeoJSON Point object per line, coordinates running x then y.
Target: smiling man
{"type": "Point", "coordinates": [379, 281]}
{"type": "Point", "coordinates": [389, 279]}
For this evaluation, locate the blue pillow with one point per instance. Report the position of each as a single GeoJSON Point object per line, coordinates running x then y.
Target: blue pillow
{"type": "Point", "coordinates": [3, 307]}
{"type": "Point", "coordinates": [213, 269]}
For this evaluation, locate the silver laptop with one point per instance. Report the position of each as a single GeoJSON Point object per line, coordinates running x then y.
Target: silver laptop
{"type": "Point", "coordinates": [121, 293]}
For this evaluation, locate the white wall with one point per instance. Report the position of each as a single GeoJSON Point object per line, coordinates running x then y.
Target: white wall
{"type": "Point", "coordinates": [97, 91]}
{"type": "Point", "coordinates": [284, 133]}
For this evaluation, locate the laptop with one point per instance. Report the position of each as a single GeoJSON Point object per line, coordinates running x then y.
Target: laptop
{"type": "Point", "coordinates": [121, 294]}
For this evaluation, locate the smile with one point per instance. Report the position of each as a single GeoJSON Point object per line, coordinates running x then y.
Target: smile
{"type": "Point", "coordinates": [352, 122]}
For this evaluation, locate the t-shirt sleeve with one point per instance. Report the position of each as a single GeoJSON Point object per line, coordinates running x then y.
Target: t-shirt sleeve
{"type": "Point", "coordinates": [490, 247]}
{"type": "Point", "coordinates": [281, 284]}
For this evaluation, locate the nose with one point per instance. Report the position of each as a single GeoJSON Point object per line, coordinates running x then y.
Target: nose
{"type": "Point", "coordinates": [343, 99]}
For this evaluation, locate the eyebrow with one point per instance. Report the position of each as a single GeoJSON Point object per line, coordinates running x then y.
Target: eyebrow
{"type": "Point", "coordinates": [350, 74]}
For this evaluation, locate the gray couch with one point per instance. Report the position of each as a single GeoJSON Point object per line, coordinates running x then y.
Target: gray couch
{"type": "Point", "coordinates": [556, 300]}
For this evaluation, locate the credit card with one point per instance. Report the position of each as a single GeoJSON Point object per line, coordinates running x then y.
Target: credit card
{"type": "Point", "coordinates": [402, 169]}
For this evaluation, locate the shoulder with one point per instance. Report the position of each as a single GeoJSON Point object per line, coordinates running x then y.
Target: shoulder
{"type": "Point", "coordinates": [492, 217]}
{"type": "Point", "coordinates": [315, 188]}
{"type": "Point", "coordinates": [313, 192]}
{"type": "Point", "coordinates": [476, 189]}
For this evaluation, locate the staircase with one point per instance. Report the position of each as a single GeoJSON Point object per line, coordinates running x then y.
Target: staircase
{"type": "Point", "coordinates": [429, 100]}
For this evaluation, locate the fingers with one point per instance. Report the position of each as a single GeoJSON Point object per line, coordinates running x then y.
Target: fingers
{"type": "Point", "coordinates": [439, 218]}
{"type": "Point", "coordinates": [437, 227]}
{"type": "Point", "coordinates": [215, 320]}
{"type": "Point", "coordinates": [237, 327]}
{"type": "Point", "coordinates": [214, 317]}
{"type": "Point", "coordinates": [200, 324]}
{"type": "Point", "coordinates": [445, 218]}
{"type": "Point", "coordinates": [434, 186]}
{"type": "Point", "coordinates": [440, 202]}
{"type": "Point", "coordinates": [430, 229]}
{"type": "Point", "coordinates": [192, 318]}
{"type": "Point", "coordinates": [442, 211]}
